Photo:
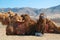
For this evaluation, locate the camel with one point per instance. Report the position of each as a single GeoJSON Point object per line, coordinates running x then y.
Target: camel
{"type": "Point", "coordinates": [12, 24]}
{"type": "Point", "coordinates": [41, 23]}
{"type": "Point", "coordinates": [16, 22]}
{"type": "Point", "coordinates": [30, 24]}
{"type": "Point", "coordinates": [2, 17]}
{"type": "Point", "coordinates": [53, 28]}
{"type": "Point", "coordinates": [5, 19]}
{"type": "Point", "coordinates": [46, 25]}
{"type": "Point", "coordinates": [19, 27]}
{"type": "Point", "coordinates": [24, 25]}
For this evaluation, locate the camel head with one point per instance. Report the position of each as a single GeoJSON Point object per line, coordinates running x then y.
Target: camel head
{"type": "Point", "coordinates": [42, 16]}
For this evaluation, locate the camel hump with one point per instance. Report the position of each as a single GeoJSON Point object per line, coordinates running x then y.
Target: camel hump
{"type": "Point", "coordinates": [11, 13]}
{"type": "Point", "coordinates": [54, 23]}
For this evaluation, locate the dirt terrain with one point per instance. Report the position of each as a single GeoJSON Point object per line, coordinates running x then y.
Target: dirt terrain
{"type": "Point", "coordinates": [46, 36]}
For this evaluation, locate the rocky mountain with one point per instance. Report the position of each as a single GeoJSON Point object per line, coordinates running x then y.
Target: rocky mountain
{"type": "Point", "coordinates": [51, 12]}
{"type": "Point", "coordinates": [24, 10]}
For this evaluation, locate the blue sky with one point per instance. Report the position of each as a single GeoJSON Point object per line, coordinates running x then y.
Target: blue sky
{"type": "Point", "coordinates": [28, 3]}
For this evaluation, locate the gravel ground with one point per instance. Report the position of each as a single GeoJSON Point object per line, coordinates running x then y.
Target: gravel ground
{"type": "Point", "coordinates": [46, 36]}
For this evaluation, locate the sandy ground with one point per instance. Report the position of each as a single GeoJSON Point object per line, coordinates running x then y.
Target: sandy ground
{"type": "Point", "coordinates": [46, 36]}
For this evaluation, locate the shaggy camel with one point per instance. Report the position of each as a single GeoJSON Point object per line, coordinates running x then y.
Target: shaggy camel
{"type": "Point", "coordinates": [27, 26]}
{"type": "Point", "coordinates": [46, 25]}
{"type": "Point", "coordinates": [30, 24]}
{"type": "Point", "coordinates": [13, 24]}
{"type": "Point", "coordinates": [52, 27]}
{"type": "Point", "coordinates": [21, 25]}
{"type": "Point", "coordinates": [24, 25]}
{"type": "Point", "coordinates": [41, 23]}
{"type": "Point", "coordinates": [4, 17]}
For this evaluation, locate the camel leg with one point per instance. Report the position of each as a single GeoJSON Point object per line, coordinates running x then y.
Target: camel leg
{"type": "Point", "coordinates": [9, 30]}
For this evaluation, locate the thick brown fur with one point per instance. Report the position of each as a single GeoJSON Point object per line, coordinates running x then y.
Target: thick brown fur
{"type": "Point", "coordinates": [47, 25]}
{"type": "Point", "coordinates": [53, 28]}
{"type": "Point", "coordinates": [41, 23]}
{"type": "Point", "coordinates": [24, 25]}
{"type": "Point", "coordinates": [13, 22]}
{"type": "Point", "coordinates": [30, 24]}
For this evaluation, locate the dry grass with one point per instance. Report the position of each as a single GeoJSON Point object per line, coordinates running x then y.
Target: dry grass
{"type": "Point", "coordinates": [46, 36]}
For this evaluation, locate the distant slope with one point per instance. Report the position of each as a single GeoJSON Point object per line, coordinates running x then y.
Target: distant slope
{"type": "Point", "coordinates": [51, 12]}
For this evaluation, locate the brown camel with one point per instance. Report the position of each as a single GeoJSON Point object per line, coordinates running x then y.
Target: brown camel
{"type": "Point", "coordinates": [18, 25]}
{"type": "Point", "coordinates": [30, 24]}
{"type": "Point", "coordinates": [24, 25]}
{"type": "Point", "coordinates": [15, 22]}
{"type": "Point", "coordinates": [52, 27]}
{"type": "Point", "coordinates": [5, 19]}
{"type": "Point", "coordinates": [46, 25]}
{"type": "Point", "coordinates": [41, 23]}
{"type": "Point", "coordinates": [12, 24]}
